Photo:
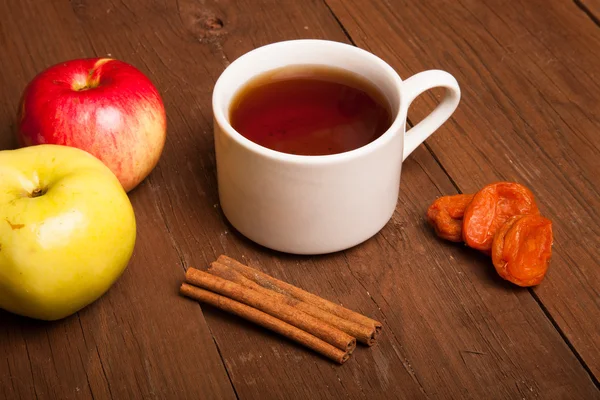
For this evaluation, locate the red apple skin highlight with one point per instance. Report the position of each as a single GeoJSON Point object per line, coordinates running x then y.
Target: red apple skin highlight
{"type": "Point", "coordinates": [103, 106]}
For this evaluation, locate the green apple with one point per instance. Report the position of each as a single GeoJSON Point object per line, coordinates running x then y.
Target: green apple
{"type": "Point", "coordinates": [67, 230]}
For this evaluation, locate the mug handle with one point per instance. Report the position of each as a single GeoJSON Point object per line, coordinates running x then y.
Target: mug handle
{"type": "Point", "coordinates": [414, 87]}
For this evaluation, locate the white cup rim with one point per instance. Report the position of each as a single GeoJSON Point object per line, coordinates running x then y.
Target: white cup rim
{"type": "Point", "coordinates": [223, 121]}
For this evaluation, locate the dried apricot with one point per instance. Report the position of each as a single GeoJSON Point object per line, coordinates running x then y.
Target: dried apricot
{"type": "Point", "coordinates": [522, 249]}
{"type": "Point", "coordinates": [490, 208]}
{"type": "Point", "coordinates": [445, 215]}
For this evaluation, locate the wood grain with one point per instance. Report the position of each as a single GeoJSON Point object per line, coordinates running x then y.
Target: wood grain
{"type": "Point", "coordinates": [119, 346]}
{"type": "Point", "coordinates": [190, 207]}
{"type": "Point", "coordinates": [452, 329]}
{"type": "Point", "coordinates": [530, 112]}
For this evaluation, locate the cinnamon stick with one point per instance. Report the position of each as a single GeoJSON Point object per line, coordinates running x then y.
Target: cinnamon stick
{"type": "Point", "coordinates": [267, 304]}
{"type": "Point", "coordinates": [266, 321]}
{"type": "Point", "coordinates": [362, 333]}
{"type": "Point", "coordinates": [276, 285]}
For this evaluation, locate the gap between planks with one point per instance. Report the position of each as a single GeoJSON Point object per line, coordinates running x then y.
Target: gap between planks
{"type": "Point", "coordinates": [564, 337]}
{"type": "Point", "coordinates": [237, 396]}
{"type": "Point", "coordinates": [596, 19]}
{"type": "Point", "coordinates": [593, 12]}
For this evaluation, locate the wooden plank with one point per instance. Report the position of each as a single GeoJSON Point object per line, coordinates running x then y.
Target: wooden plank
{"type": "Point", "coordinates": [28, 368]}
{"type": "Point", "coordinates": [440, 307]}
{"type": "Point", "coordinates": [437, 319]}
{"type": "Point", "coordinates": [530, 112]}
{"type": "Point", "coordinates": [119, 346]}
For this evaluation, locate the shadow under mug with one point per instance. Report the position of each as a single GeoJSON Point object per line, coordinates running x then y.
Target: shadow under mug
{"type": "Point", "coordinates": [319, 204]}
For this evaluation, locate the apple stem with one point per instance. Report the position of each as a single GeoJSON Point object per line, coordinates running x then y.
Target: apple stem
{"type": "Point", "coordinates": [37, 192]}
{"type": "Point", "coordinates": [81, 87]}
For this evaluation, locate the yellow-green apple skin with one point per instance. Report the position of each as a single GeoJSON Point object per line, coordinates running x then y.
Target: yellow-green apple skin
{"type": "Point", "coordinates": [67, 230]}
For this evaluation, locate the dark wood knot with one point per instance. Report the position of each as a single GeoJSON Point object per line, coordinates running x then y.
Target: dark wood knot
{"type": "Point", "coordinates": [213, 23]}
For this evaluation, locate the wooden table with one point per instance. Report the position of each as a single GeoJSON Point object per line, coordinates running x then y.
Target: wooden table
{"type": "Point", "coordinates": [530, 112]}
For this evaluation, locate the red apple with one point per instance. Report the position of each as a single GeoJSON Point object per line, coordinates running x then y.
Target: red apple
{"type": "Point", "coordinates": [103, 106]}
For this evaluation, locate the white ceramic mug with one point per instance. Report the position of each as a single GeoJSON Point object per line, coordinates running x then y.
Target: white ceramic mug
{"type": "Point", "coordinates": [319, 204]}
